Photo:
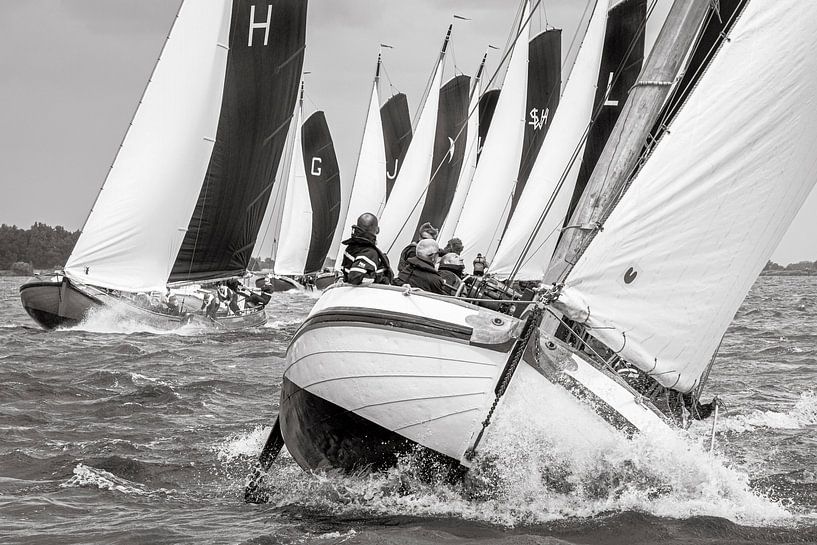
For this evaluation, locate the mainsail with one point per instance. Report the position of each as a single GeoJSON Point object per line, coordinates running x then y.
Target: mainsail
{"type": "Point", "coordinates": [488, 202]}
{"type": "Point", "coordinates": [678, 253]}
{"type": "Point", "coordinates": [132, 235]}
{"type": "Point", "coordinates": [450, 146]}
{"type": "Point", "coordinates": [544, 86]}
{"type": "Point", "coordinates": [487, 107]}
{"type": "Point", "coordinates": [408, 195]}
{"type": "Point", "coordinates": [323, 179]}
{"type": "Point", "coordinates": [470, 144]}
{"type": "Point", "coordinates": [396, 128]}
{"type": "Point", "coordinates": [264, 63]}
{"type": "Point", "coordinates": [368, 188]}
{"type": "Point", "coordinates": [556, 168]}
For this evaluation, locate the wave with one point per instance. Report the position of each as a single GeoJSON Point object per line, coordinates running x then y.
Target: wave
{"type": "Point", "coordinates": [801, 415]}
{"type": "Point", "coordinates": [91, 477]}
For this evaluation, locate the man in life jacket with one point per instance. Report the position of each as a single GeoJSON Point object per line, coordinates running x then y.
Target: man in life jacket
{"type": "Point", "coordinates": [420, 271]}
{"type": "Point", "coordinates": [363, 262]}
{"type": "Point", "coordinates": [427, 232]}
{"type": "Point", "coordinates": [451, 270]}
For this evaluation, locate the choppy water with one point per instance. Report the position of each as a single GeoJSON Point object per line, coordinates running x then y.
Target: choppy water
{"type": "Point", "coordinates": [113, 435]}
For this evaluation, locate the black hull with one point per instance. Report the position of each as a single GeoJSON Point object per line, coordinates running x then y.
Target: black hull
{"type": "Point", "coordinates": [321, 436]}
{"type": "Point", "coordinates": [56, 304]}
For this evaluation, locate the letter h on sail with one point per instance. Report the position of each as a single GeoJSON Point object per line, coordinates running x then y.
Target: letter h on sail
{"type": "Point", "coordinates": [265, 25]}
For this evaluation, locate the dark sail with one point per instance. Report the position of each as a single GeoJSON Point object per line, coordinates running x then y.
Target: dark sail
{"type": "Point", "coordinates": [449, 151]}
{"type": "Point", "coordinates": [544, 85]}
{"type": "Point", "coordinates": [323, 179]}
{"type": "Point", "coordinates": [396, 135]}
{"type": "Point", "coordinates": [716, 28]}
{"type": "Point", "coordinates": [487, 106]}
{"type": "Point", "coordinates": [260, 89]}
{"type": "Point", "coordinates": [621, 62]}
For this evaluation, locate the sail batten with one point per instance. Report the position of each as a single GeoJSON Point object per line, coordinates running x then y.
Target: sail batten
{"type": "Point", "coordinates": [663, 280]}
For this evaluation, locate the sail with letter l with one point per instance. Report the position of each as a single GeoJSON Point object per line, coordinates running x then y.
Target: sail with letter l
{"type": "Point", "coordinates": [487, 205]}
{"type": "Point", "coordinates": [396, 124]}
{"type": "Point", "coordinates": [678, 253]}
{"type": "Point", "coordinates": [134, 231]}
{"type": "Point", "coordinates": [266, 41]}
{"type": "Point", "coordinates": [606, 66]}
{"type": "Point", "coordinates": [406, 200]}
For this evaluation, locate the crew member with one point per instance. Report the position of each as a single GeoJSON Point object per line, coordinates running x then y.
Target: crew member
{"type": "Point", "coordinates": [363, 262]}
{"type": "Point", "coordinates": [451, 270]}
{"type": "Point", "coordinates": [427, 232]}
{"type": "Point", "coordinates": [453, 246]}
{"type": "Point", "coordinates": [420, 271]}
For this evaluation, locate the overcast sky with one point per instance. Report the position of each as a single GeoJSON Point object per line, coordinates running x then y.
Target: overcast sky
{"type": "Point", "coordinates": [73, 72]}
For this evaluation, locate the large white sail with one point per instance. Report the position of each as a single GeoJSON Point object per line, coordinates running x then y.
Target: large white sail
{"type": "Point", "coordinates": [369, 186]}
{"type": "Point", "coordinates": [559, 160]}
{"type": "Point", "coordinates": [296, 220]}
{"type": "Point", "coordinates": [663, 279]}
{"type": "Point", "coordinates": [469, 163]}
{"type": "Point", "coordinates": [133, 234]}
{"type": "Point", "coordinates": [402, 212]}
{"type": "Point", "coordinates": [488, 201]}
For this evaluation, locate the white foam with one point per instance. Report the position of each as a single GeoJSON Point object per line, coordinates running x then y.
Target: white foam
{"type": "Point", "coordinates": [247, 444]}
{"type": "Point", "coordinates": [802, 414]}
{"type": "Point", "coordinates": [91, 477]}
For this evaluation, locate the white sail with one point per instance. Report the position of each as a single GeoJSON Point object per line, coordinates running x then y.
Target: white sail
{"type": "Point", "coordinates": [469, 166]}
{"type": "Point", "coordinates": [133, 234]}
{"type": "Point", "coordinates": [488, 202]}
{"type": "Point", "coordinates": [296, 220]}
{"type": "Point", "coordinates": [267, 241]}
{"type": "Point", "coordinates": [369, 186]}
{"type": "Point", "coordinates": [399, 218]}
{"type": "Point", "coordinates": [559, 160]}
{"type": "Point", "coordinates": [663, 279]}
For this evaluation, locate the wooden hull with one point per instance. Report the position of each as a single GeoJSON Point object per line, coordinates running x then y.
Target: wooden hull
{"type": "Point", "coordinates": [56, 304]}
{"type": "Point", "coordinates": [64, 304]}
{"type": "Point", "coordinates": [373, 373]}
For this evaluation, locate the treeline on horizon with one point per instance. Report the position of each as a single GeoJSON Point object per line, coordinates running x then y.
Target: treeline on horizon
{"type": "Point", "coordinates": [799, 268]}
{"type": "Point", "coordinates": [41, 246]}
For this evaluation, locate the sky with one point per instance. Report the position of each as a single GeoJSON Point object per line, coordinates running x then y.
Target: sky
{"type": "Point", "coordinates": [73, 72]}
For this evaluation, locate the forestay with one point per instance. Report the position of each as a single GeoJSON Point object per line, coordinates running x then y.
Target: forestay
{"type": "Point", "coordinates": [489, 199]}
{"type": "Point", "coordinates": [558, 159]}
{"type": "Point", "coordinates": [137, 225]}
{"type": "Point", "coordinates": [662, 281]}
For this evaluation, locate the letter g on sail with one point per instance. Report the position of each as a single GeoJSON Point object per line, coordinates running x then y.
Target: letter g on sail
{"type": "Point", "coordinates": [316, 166]}
{"type": "Point", "coordinates": [255, 25]}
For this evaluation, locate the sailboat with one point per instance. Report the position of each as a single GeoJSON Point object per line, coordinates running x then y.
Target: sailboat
{"type": "Point", "coordinates": [304, 211]}
{"type": "Point", "coordinates": [698, 181]}
{"type": "Point", "coordinates": [185, 195]}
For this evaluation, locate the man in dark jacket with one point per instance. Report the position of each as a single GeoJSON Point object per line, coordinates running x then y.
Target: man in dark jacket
{"type": "Point", "coordinates": [451, 270]}
{"type": "Point", "coordinates": [363, 262]}
{"type": "Point", "coordinates": [420, 272]}
{"type": "Point", "coordinates": [427, 232]}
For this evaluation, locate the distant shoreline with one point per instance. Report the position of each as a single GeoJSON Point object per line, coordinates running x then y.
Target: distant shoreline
{"type": "Point", "coordinates": [788, 273]}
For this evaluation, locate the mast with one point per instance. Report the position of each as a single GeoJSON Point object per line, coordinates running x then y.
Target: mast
{"type": "Point", "coordinates": [625, 144]}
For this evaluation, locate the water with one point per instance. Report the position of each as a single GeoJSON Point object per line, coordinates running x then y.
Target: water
{"type": "Point", "coordinates": [109, 434]}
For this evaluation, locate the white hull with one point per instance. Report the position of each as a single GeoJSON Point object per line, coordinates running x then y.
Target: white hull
{"type": "Point", "coordinates": [420, 367]}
